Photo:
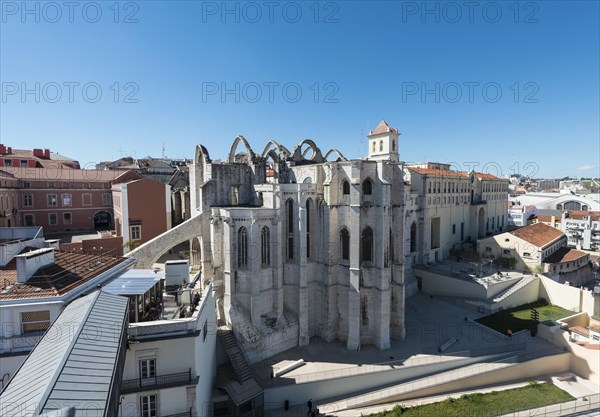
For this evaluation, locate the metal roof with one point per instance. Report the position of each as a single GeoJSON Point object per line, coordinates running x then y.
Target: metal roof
{"type": "Point", "coordinates": [133, 282]}
{"type": "Point", "coordinates": [74, 364]}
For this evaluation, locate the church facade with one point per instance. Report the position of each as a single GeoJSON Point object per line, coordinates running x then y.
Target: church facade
{"type": "Point", "coordinates": [301, 244]}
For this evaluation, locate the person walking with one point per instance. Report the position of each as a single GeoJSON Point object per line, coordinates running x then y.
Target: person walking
{"type": "Point", "coordinates": [309, 404]}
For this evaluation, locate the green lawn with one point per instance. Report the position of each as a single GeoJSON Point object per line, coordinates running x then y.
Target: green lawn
{"type": "Point", "coordinates": [494, 403]}
{"type": "Point", "coordinates": [519, 318]}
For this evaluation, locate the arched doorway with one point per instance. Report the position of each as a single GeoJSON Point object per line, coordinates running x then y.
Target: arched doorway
{"type": "Point", "coordinates": [102, 220]}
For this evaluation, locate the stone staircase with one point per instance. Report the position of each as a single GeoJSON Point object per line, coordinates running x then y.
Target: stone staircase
{"type": "Point", "coordinates": [246, 387]}
{"type": "Point", "coordinates": [523, 282]}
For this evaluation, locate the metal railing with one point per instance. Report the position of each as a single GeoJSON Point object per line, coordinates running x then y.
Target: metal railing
{"type": "Point", "coordinates": [186, 414]}
{"type": "Point", "coordinates": [578, 405]}
{"type": "Point", "coordinates": [156, 382]}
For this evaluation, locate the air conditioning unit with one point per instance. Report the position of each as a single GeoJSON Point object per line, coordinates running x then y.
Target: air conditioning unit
{"type": "Point", "coordinates": [597, 289]}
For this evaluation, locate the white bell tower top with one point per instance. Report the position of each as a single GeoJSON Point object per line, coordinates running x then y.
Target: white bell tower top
{"type": "Point", "coordinates": [383, 143]}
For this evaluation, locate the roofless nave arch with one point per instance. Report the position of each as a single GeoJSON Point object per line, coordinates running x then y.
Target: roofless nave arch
{"type": "Point", "coordinates": [191, 230]}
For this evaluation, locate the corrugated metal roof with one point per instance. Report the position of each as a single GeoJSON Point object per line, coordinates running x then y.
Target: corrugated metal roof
{"type": "Point", "coordinates": [73, 364]}
{"type": "Point", "coordinates": [133, 282]}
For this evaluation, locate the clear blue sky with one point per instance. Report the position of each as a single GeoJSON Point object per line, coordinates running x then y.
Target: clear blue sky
{"type": "Point", "coordinates": [353, 62]}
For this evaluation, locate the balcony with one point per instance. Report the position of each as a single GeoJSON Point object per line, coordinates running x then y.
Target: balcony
{"type": "Point", "coordinates": [158, 382]}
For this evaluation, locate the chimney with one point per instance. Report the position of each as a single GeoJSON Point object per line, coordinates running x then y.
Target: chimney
{"type": "Point", "coordinates": [47, 153]}
{"type": "Point", "coordinates": [28, 263]}
{"type": "Point", "coordinates": [553, 221]}
{"type": "Point", "coordinates": [38, 153]}
{"type": "Point", "coordinates": [9, 151]}
{"type": "Point", "coordinates": [2, 149]}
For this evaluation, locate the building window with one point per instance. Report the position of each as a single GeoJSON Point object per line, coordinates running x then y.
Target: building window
{"type": "Point", "coordinates": [413, 237]}
{"type": "Point", "coordinates": [435, 232]}
{"type": "Point", "coordinates": [462, 231]}
{"type": "Point", "coordinates": [28, 200]}
{"type": "Point", "coordinates": [453, 229]}
{"type": "Point", "coordinates": [29, 220]}
{"type": "Point", "coordinates": [308, 207]}
{"type": "Point", "coordinates": [380, 146]}
{"type": "Point", "coordinates": [86, 199]}
{"type": "Point", "coordinates": [148, 368]}
{"type": "Point", "coordinates": [242, 247]}
{"type": "Point", "coordinates": [366, 243]}
{"type": "Point", "coordinates": [67, 200]}
{"type": "Point", "coordinates": [289, 206]}
{"type": "Point", "coordinates": [488, 248]}
{"type": "Point", "coordinates": [148, 406]}
{"type": "Point", "coordinates": [24, 162]}
{"type": "Point", "coordinates": [364, 313]}
{"type": "Point", "coordinates": [345, 243]}
{"type": "Point", "coordinates": [234, 195]}
{"type": "Point", "coordinates": [26, 184]}
{"type": "Point", "coordinates": [135, 232]}
{"type": "Point", "coordinates": [35, 321]}
{"type": "Point", "coordinates": [8, 162]}
{"type": "Point", "coordinates": [51, 200]}
{"type": "Point", "coordinates": [345, 187]}
{"type": "Point", "coordinates": [374, 147]}
{"type": "Point", "coordinates": [367, 187]}
{"type": "Point", "coordinates": [67, 218]}
{"type": "Point", "coordinates": [106, 199]}
{"type": "Point", "coordinates": [393, 145]}
{"type": "Point", "coordinates": [265, 245]}
{"type": "Point", "coordinates": [52, 219]}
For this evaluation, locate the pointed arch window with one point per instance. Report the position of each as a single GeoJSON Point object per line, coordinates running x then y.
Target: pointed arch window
{"type": "Point", "coordinates": [345, 187]}
{"type": "Point", "coordinates": [367, 187]}
{"type": "Point", "coordinates": [242, 247]}
{"type": "Point", "coordinates": [308, 219]}
{"type": "Point", "coordinates": [366, 245]}
{"type": "Point", "coordinates": [265, 246]}
{"type": "Point", "coordinates": [289, 207]}
{"type": "Point", "coordinates": [345, 243]}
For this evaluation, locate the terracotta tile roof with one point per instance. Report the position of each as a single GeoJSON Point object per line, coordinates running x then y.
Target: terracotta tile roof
{"type": "Point", "coordinates": [448, 173]}
{"type": "Point", "coordinates": [70, 270]}
{"type": "Point", "coordinates": [439, 172]}
{"type": "Point", "coordinates": [382, 127]}
{"type": "Point", "coordinates": [546, 218]}
{"type": "Point", "coordinates": [564, 254]}
{"type": "Point", "coordinates": [538, 234]}
{"type": "Point", "coordinates": [594, 327]}
{"type": "Point", "coordinates": [482, 175]}
{"type": "Point", "coordinates": [67, 174]}
{"type": "Point", "coordinates": [580, 214]}
{"type": "Point", "coordinates": [580, 330]}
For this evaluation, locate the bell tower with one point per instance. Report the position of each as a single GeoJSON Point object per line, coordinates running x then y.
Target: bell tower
{"type": "Point", "coordinates": [383, 143]}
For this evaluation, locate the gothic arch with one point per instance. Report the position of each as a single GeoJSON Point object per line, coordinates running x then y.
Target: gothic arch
{"type": "Point", "coordinates": [201, 159]}
{"type": "Point", "coordinates": [334, 150]}
{"type": "Point", "coordinates": [283, 152]}
{"type": "Point", "coordinates": [234, 146]}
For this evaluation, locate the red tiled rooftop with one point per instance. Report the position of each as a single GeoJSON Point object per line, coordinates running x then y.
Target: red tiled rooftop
{"type": "Point", "coordinates": [538, 234]}
{"type": "Point", "coordinates": [382, 127]}
{"type": "Point", "coordinates": [70, 270]}
{"type": "Point", "coordinates": [546, 218]}
{"type": "Point", "coordinates": [581, 214]}
{"type": "Point", "coordinates": [440, 172]}
{"type": "Point", "coordinates": [580, 330]}
{"type": "Point", "coordinates": [564, 254]}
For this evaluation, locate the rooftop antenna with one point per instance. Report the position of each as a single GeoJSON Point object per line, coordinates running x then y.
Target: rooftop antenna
{"type": "Point", "coordinates": [163, 151]}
